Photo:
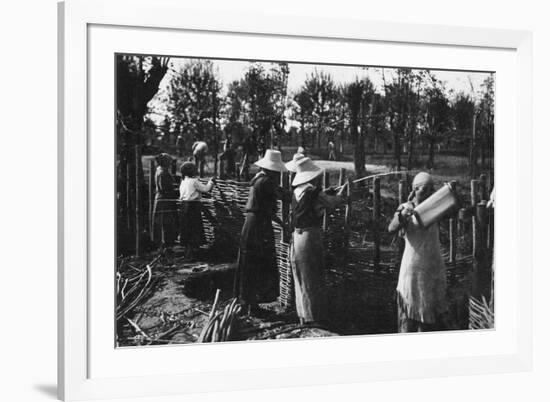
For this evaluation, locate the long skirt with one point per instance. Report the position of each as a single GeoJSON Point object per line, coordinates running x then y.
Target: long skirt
{"type": "Point", "coordinates": [406, 324]}
{"type": "Point", "coordinates": [257, 276]}
{"type": "Point", "coordinates": [164, 222]}
{"type": "Point", "coordinates": [191, 226]}
{"type": "Point", "coordinates": [308, 269]}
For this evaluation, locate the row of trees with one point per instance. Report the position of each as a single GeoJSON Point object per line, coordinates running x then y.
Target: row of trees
{"type": "Point", "coordinates": [412, 113]}
{"type": "Point", "coordinates": [194, 106]}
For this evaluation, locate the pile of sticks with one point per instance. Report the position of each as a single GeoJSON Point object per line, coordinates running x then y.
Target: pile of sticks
{"type": "Point", "coordinates": [132, 288]}
{"type": "Point", "coordinates": [143, 338]}
{"type": "Point", "coordinates": [482, 315]}
{"type": "Point", "coordinates": [221, 325]}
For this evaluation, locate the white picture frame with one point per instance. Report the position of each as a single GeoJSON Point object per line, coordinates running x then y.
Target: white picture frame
{"type": "Point", "coordinates": [77, 17]}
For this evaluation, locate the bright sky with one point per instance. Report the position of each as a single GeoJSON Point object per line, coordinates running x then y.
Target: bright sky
{"type": "Point", "coordinates": [230, 70]}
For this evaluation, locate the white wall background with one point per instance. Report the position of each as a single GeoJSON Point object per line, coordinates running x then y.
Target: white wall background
{"type": "Point", "coordinates": [28, 199]}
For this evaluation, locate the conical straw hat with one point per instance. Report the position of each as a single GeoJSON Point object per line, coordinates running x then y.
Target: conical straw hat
{"type": "Point", "coordinates": [306, 171]}
{"type": "Point", "coordinates": [291, 166]}
{"type": "Point", "coordinates": [272, 160]}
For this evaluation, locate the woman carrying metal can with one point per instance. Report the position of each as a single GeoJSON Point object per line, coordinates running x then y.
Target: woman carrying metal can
{"type": "Point", "coordinates": [422, 284]}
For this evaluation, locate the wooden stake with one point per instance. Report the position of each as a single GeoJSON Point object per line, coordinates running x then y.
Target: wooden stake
{"type": "Point", "coordinates": [174, 167]}
{"type": "Point", "coordinates": [238, 171]}
{"type": "Point", "coordinates": [347, 215]}
{"type": "Point", "coordinates": [138, 199]}
{"type": "Point", "coordinates": [483, 186]}
{"type": "Point", "coordinates": [342, 177]}
{"type": "Point", "coordinates": [128, 194]}
{"type": "Point", "coordinates": [151, 194]}
{"type": "Point", "coordinates": [285, 210]}
{"type": "Point", "coordinates": [376, 219]}
{"type": "Point", "coordinates": [479, 257]}
{"type": "Point", "coordinates": [326, 184]}
{"type": "Point", "coordinates": [474, 198]}
{"type": "Point", "coordinates": [452, 231]}
{"type": "Point", "coordinates": [402, 196]}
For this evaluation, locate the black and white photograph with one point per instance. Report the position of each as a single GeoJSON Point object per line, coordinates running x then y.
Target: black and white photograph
{"type": "Point", "coordinates": [262, 200]}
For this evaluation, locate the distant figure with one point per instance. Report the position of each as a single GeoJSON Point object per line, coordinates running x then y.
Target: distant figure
{"type": "Point", "coordinates": [291, 166]}
{"type": "Point", "coordinates": [331, 151]}
{"type": "Point", "coordinates": [301, 150]}
{"type": "Point", "coordinates": [276, 142]}
{"type": "Point", "coordinates": [180, 145]}
{"type": "Point", "coordinates": [200, 148]}
{"type": "Point", "coordinates": [422, 284]}
{"type": "Point", "coordinates": [227, 159]}
{"type": "Point", "coordinates": [164, 207]}
{"type": "Point", "coordinates": [249, 151]}
{"type": "Point", "coordinates": [257, 275]}
{"type": "Point", "coordinates": [261, 148]}
{"type": "Point", "coordinates": [191, 227]}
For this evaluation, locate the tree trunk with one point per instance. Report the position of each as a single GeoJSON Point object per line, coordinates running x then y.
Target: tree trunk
{"type": "Point", "coordinates": [396, 145]}
{"type": "Point", "coordinates": [216, 139]}
{"type": "Point", "coordinates": [359, 150]}
{"type": "Point", "coordinates": [483, 141]}
{"type": "Point", "coordinates": [410, 147]}
{"type": "Point", "coordinates": [359, 155]}
{"type": "Point", "coordinates": [473, 154]}
{"type": "Point", "coordinates": [431, 153]}
{"type": "Point", "coordinates": [134, 91]}
{"type": "Point", "coordinates": [303, 131]}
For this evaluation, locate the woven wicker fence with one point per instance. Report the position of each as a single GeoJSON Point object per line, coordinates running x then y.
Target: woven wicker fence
{"type": "Point", "coordinates": [223, 218]}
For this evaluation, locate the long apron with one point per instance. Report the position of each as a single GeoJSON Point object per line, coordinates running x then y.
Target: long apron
{"type": "Point", "coordinates": [308, 269]}
{"type": "Point", "coordinates": [257, 278]}
{"type": "Point", "coordinates": [191, 225]}
{"type": "Point", "coordinates": [422, 276]}
{"type": "Point", "coordinates": [164, 222]}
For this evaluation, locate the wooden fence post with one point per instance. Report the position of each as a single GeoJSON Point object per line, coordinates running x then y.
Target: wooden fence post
{"type": "Point", "coordinates": [490, 229]}
{"type": "Point", "coordinates": [151, 195]}
{"type": "Point", "coordinates": [174, 167]}
{"type": "Point", "coordinates": [285, 210]}
{"type": "Point", "coordinates": [122, 207]}
{"type": "Point", "coordinates": [238, 171]}
{"type": "Point", "coordinates": [347, 215]}
{"type": "Point", "coordinates": [342, 177]}
{"type": "Point", "coordinates": [376, 219]}
{"type": "Point", "coordinates": [483, 186]}
{"type": "Point", "coordinates": [402, 198]}
{"type": "Point", "coordinates": [462, 216]}
{"type": "Point", "coordinates": [138, 199]}
{"type": "Point", "coordinates": [452, 231]}
{"type": "Point", "coordinates": [474, 198]}
{"type": "Point", "coordinates": [326, 184]}
{"type": "Point", "coordinates": [401, 192]}
{"type": "Point", "coordinates": [480, 260]}
{"type": "Point", "coordinates": [129, 194]}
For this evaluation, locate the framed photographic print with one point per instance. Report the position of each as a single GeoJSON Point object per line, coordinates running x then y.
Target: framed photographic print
{"type": "Point", "coordinates": [243, 197]}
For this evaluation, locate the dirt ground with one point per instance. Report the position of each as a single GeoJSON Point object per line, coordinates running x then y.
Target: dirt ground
{"type": "Point", "coordinates": [177, 307]}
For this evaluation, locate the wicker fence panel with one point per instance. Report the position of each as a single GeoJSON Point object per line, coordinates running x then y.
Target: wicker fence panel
{"type": "Point", "coordinates": [223, 218]}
